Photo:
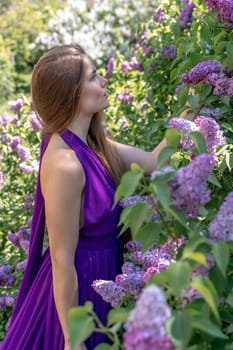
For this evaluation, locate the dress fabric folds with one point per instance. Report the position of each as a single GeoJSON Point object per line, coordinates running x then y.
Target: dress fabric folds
{"type": "Point", "coordinates": [34, 324]}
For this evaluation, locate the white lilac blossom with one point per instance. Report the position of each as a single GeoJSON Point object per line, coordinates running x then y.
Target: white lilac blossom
{"type": "Point", "coordinates": [109, 291]}
{"type": "Point", "coordinates": [186, 16]}
{"type": "Point", "coordinates": [6, 278]}
{"type": "Point", "coordinates": [201, 71]}
{"type": "Point", "coordinates": [221, 228]}
{"type": "Point", "coordinates": [146, 325]}
{"type": "Point", "coordinates": [189, 188]}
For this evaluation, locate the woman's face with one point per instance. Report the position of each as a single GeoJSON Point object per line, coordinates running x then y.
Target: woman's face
{"type": "Point", "coordinates": [94, 96]}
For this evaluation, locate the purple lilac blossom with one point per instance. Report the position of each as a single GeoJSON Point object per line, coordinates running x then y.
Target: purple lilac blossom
{"type": "Point", "coordinates": [158, 16]}
{"type": "Point", "coordinates": [22, 265]}
{"type": "Point", "coordinates": [226, 12]}
{"type": "Point", "coordinates": [169, 52]}
{"type": "Point", "coordinates": [16, 106]}
{"type": "Point", "coordinates": [23, 152]}
{"type": "Point", "coordinates": [4, 139]}
{"type": "Point", "coordinates": [123, 123]}
{"type": "Point", "coordinates": [125, 67]}
{"type": "Point", "coordinates": [214, 113]}
{"type": "Point", "coordinates": [221, 228]}
{"type": "Point", "coordinates": [6, 279]}
{"type": "Point", "coordinates": [15, 120]}
{"type": "Point", "coordinates": [4, 119]}
{"type": "Point", "coordinates": [136, 65]}
{"type": "Point", "coordinates": [6, 301]}
{"type": "Point", "coordinates": [146, 325]}
{"type": "Point", "coordinates": [186, 126]}
{"type": "Point", "coordinates": [189, 188]}
{"type": "Point", "coordinates": [134, 246]}
{"type": "Point", "coordinates": [211, 131]}
{"type": "Point", "coordinates": [199, 72]}
{"type": "Point", "coordinates": [1, 179]}
{"type": "Point", "coordinates": [15, 141]}
{"type": "Point", "coordinates": [35, 123]}
{"type": "Point", "coordinates": [109, 291]}
{"type": "Point", "coordinates": [131, 283]}
{"type": "Point", "coordinates": [125, 98]}
{"type": "Point", "coordinates": [132, 200]}
{"type": "Point", "coordinates": [110, 68]}
{"type": "Point", "coordinates": [13, 238]}
{"type": "Point", "coordinates": [186, 16]}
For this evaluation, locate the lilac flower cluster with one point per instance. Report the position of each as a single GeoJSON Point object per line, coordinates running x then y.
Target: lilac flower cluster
{"type": "Point", "coordinates": [29, 198]}
{"type": "Point", "coordinates": [169, 52]}
{"type": "Point", "coordinates": [136, 65]}
{"type": "Point", "coordinates": [186, 16]}
{"type": "Point", "coordinates": [221, 229]}
{"type": "Point", "coordinates": [201, 71]}
{"type": "Point", "coordinates": [158, 16]}
{"type": "Point", "coordinates": [212, 5]}
{"type": "Point", "coordinates": [123, 123]}
{"type": "Point", "coordinates": [126, 98]}
{"type": "Point", "coordinates": [20, 239]}
{"type": "Point", "coordinates": [146, 325]}
{"type": "Point", "coordinates": [1, 179]}
{"type": "Point", "coordinates": [6, 301]}
{"type": "Point", "coordinates": [35, 123]}
{"type": "Point", "coordinates": [186, 126]}
{"type": "Point", "coordinates": [137, 273]}
{"type": "Point", "coordinates": [16, 106]}
{"type": "Point", "coordinates": [6, 278]}
{"type": "Point", "coordinates": [189, 188]}
{"type": "Point", "coordinates": [225, 8]}
{"type": "Point", "coordinates": [133, 200]}
{"type": "Point", "coordinates": [110, 68]}
{"type": "Point", "coordinates": [209, 128]}
{"type": "Point", "coordinates": [214, 113]}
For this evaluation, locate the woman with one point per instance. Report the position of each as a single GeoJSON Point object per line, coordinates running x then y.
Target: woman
{"type": "Point", "coordinates": [79, 171]}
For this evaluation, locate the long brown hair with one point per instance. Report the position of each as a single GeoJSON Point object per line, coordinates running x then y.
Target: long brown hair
{"type": "Point", "coordinates": [56, 86]}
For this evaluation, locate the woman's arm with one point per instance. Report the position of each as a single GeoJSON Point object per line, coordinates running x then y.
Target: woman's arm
{"type": "Point", "coordinates": [63, 180]}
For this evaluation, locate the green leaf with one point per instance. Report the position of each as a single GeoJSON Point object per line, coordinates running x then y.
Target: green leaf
{"type": "Point", "coordinates": [213, 179]}
{"type": "Point", "coordinates": [221, 254]}
{"type": "Point", "coordinates": [173, 137]}
{"type": "Point", "coordinates": [148, 234]}
{"type": "Point", "coordinates": [178, 215]}
{"type": "Point", "coordinates": [206, 288]}
{"type": "Point", "coordinates": [199, 140]}
{"type": "Point", "coordinates": [178, 277]}
{"type": "Point", "coordinates": [164, 155]}
{"type": "Point", "coordinates": [194, 101]}
{"type": "Point", "coordinates": [81, 326]}
{"type": "Point", "coordinates": [105, 346]}
{"type": "Point", "coordinates": [138, 215]}
{"type": "Point", "coordinates": [207, 326]}
{"type": "Point", "coordinates": [229, 49]}
{"type": "Point", "coordinates": [129, 183]}
{"type": "Point", "coordinates": [117, 315]}
{"type": "Point", "coordinates": [195, 256]}
{"type": "Point", "coordinates": [179, 329]}
{"type": "Point", "coordinates": [163, 193]}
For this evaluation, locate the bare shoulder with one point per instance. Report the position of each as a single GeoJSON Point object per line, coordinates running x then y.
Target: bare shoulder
{"type": "Point", "coordinates": [61, 165]}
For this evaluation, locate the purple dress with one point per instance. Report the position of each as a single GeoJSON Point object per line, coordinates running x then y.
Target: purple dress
{"type": "Point", "coordinates": [99, 255]}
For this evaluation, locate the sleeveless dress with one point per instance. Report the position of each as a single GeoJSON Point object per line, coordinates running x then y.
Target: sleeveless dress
{"type": "Point", "coordinates": [34, 323]}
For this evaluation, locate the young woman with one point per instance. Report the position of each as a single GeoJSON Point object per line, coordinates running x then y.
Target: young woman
{"type": "Point", "coordinates": [79, 170]}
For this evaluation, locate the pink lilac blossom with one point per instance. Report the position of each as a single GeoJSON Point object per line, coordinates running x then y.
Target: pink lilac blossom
{"type": "Point", "coordinates": [109, 291]}
{"type": "Point", "coordinates": [221, 228]}
{"type": "Point", "coordinates": [125, 98]}
{"type": "Point", "coordinates": [136, 65]}
{"type": "Point", "coordinates": [189, 188]}
{"type": "Point", "coordinates": [212, 5]}
{"type": "Point", "coordinates": [146, 325]}
{"type": "Point", "coordinates": [1, 179]}
{"type": "Point", "coordinates": [125, 67]}
{"type": "Point", "coordinates": [123, 122]}
{"type": "Point", "coordinates": [16, 105]}
{"type": "Point", "coordinates": [186, 16]}
{"type": "Point", "coordinates": [6, 279]}
{"type": "Point", "coordinates": [199, 72]}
